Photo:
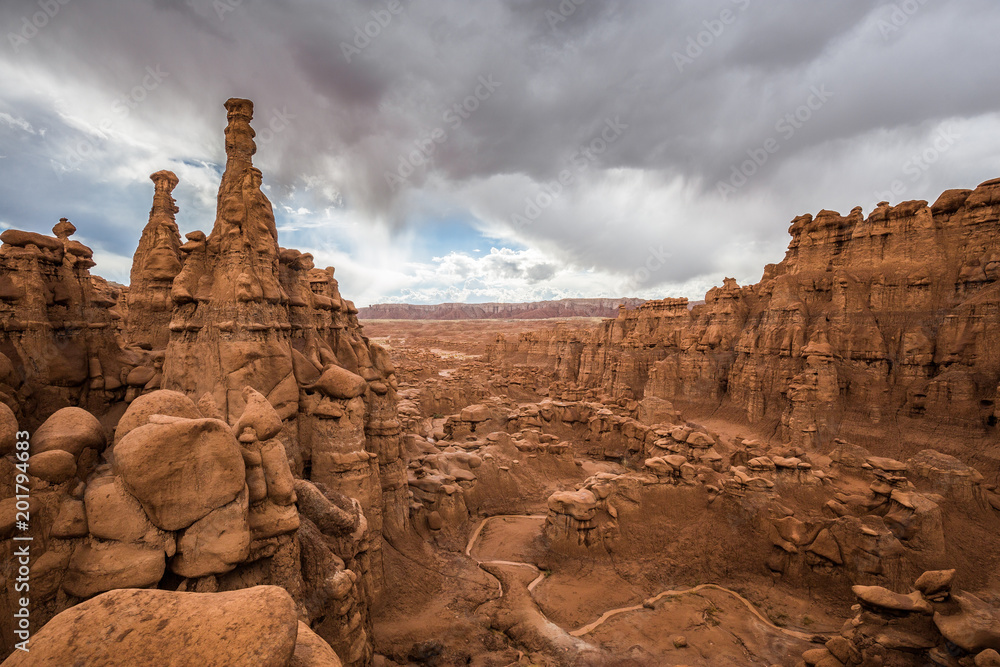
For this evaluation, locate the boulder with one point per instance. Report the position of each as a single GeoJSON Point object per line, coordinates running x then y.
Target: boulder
{"type": "Point", "coordinates": [581, 505]}
{"type": "Point", "coordinates": [69, 429]}
{"type": "Point", "coordinates": [258, 415]}
{"type": "Point", "coordinates": [215, 543]}
{"type": "Point", "coordinates": [475, 413]}
{"type": "Point", "coordinates": [181, 470]}
{"type": "Point", "coordinates": [113, 513]}
{"type": "Point", "coordinates": [162, 402]}
{"type": "Point", "coordinates": [935, 582]}
{"type": "Point", "coordinates": [337, 382]}
{"type": "Point", "coordinates": [312, 651]}
{"type": "Point", "coordinates": [54, 466]}
{"type": "Point", "coordinates": [255, 626]}
{"type": "Point", "coordinates": [99, 567]}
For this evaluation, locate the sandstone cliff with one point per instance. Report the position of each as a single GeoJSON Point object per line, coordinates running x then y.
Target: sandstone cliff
{"type": "Point", "coordinates": [868, 326]}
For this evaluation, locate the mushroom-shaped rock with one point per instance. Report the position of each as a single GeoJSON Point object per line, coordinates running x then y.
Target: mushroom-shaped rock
{"type": "Point", "coordinates": [255, 626]}
{"type": "Point", "coordinates": [581, 505]}
{"type": "Point", "coordinates": [337, 382]}
{"type": "Point", "coordinates": [71, 430]}
{"type": "Point", "coordinates": [259, 415]}
{"type": "Point", "coordinates": [161, 402]}
{"type": "Point", "coordinates": [182, 469]}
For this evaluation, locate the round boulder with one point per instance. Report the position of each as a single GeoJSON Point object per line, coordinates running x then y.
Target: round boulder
{"type": "Point", "coordinates": [181, 469]}
{"type": "Point", "coordinates": [162, 402]}
{"type": "Point", "coordinates": [70, 429]}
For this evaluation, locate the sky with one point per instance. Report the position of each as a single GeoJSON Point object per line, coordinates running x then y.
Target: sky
{"type": "Point", "coordinates": [498, 150]}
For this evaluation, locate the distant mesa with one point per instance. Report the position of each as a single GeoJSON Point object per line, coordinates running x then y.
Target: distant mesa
{"type": "Point", "coordinates": [499, 311]}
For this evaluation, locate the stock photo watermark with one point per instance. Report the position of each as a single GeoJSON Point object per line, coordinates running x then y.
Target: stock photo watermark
{"type": "Point", "coordinates": [656, 259]}
{"type": "Point", "coordinates": [370, 30]}
{"type": "Point", "coordinates": [581, 160]}
{"type": "Point", "coordinates": [121, 108]}
{"type": "Point", "coordinates": [899, 15]}
{"type": "Point", "coordinates": [426, 145]}
{"type": "Point", "coordinates": [30, 25]}
{"type": "Point", "coordinates": [786, 127]}
{"type": "Point", "coordinates": [21, 556]}
{"type": "Point", "coordinates": [278, 122]}
{"type": "Point", "coordinates": [697, 43]}
{"type": "Point", "coordinates": [920, 163]}
{"type": "Point", "coordinates": [561, 13]}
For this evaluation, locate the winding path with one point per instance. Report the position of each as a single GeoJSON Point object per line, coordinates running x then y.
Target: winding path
{"type": "Point", "coordinates": [590, 627]}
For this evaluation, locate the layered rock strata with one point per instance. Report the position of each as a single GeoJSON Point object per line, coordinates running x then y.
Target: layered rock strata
{"type": "Point", "coordinates": [867, 325]}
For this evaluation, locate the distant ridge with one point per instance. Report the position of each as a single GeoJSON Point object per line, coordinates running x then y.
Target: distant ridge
{"type": "Point", "coordinates": [498, 311]}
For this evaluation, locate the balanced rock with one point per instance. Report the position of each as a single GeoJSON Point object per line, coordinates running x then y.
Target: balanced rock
{"type": "Point", "coordinates": [935, 582]}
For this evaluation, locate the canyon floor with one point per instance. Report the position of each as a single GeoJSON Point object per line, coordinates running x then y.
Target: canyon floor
{"type": "Point", "coordinates": [497, 580]}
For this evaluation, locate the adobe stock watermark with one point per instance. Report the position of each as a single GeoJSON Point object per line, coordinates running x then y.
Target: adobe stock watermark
{"type": "Point", "coordinates": [48, 9]}
{"type": "Point", "coordinates": [223, 7]}
{"type": "Point", "coordinates": [562, 12]}
{"type": "Point", "coordinates": [581, 160]}
{"type": "Point", "coordinates": [919, 164]}
{"type": "Point", "coordinates": [786, 127]}
{"type": "Point", "coordinates": [277, 123]}
{"type": "Point", "coordinates": [370, 30]}
{"type": "Point", "coordinates": [21, 557]}
{"type": "Point", "coordinates": [696, 44]}
{"type": "Point", "coordinates": [122, 108]}
{"type": "Point", "coordinates": [899, 15]}
{"type": "Point", "coordinates": [656, 259]}
{"type": "Point", "coordinates": [427, 144]}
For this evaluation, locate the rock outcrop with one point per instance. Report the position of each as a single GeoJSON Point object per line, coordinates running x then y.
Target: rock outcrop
{"type": "Point", "coordinates": [59, 345]}
{"type": "Point", "coordinates": [868, 325]}
{"type": "Point", "coordinates": [234, 428]}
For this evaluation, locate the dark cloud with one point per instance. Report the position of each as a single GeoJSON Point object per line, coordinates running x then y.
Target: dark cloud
{"type": "Point", "coordinates": [702, 86]}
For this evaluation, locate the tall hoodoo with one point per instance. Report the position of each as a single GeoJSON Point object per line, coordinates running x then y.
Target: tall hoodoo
{"type": "Point", "coordinates": [155, 265]}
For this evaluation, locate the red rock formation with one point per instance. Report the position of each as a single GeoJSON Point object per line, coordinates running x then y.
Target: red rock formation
{"type": "Point", "coordinates": [154, 266]}
{"type": "Point", "coordinates": [893, 321]}
{"type": "Point", "coordinates": [59, 345]}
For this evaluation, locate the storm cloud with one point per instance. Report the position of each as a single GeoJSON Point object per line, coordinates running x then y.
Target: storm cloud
{"type": "Point", "coordinates": [504, 149]}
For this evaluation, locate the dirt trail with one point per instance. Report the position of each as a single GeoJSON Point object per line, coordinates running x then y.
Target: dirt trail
{"type": "Point", "coordinates": [590, 627]}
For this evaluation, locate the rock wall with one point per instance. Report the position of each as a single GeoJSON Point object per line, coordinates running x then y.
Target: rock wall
{"type": "Point", "coordinates": [59, 343]}
{"type": "Point", "coordinates": [868, 326]}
